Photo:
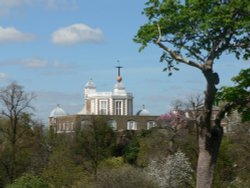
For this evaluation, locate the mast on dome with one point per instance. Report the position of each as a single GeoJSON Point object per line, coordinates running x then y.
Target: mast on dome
{"type": "Point", "coordinates": [119, 78]}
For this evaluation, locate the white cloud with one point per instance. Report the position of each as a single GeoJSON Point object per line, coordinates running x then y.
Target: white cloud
{"type": "Point", "coordinates": [11, 34]}
{"type": "Point", "coordinates": [77, 33]}
{"type": "Point", "coordinates": [38, 63]}
{"type": "Point", "coordinates": [34, 63]}
{"type": "Point", "coordinates": [3, 76]}
{"type": "Point", "coordinates": [7, 6]}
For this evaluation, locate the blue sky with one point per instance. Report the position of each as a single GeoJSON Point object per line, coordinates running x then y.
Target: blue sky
{"type": "Point", "coordinates": [53, 47]}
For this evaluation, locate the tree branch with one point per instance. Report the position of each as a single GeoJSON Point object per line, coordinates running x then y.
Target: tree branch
{"type": "Point", "coordinates": [173, 54]}
{"type": "Point", "coordinates": [227, 108]}
{"type": "Point", "coordinates": [178, 58]}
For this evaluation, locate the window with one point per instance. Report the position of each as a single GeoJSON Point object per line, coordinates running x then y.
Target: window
{"type": "Point", "coordinates": [118, 107]}
{"type": "Point", "coordinates": [151, 124]}
{"type": "Point", "coordinates": [112, 124]}
{"type": "Point", "coordinates": [131, 125]}
{"type": "Point", "coordinates": [67, 126]}
{"type": "Point", "coordinates": [64, 127]}
{"type": "Point", "coordinates": [60, 128]}
{"type": "Point", "coordinates": [71, 126]}
{"type": "Point", "coordinates": [85, 124]}
{"type": "Point", "coordinates": [103, 107]}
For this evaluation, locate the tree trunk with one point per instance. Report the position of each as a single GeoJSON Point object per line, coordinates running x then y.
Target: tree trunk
{"type": "Point", "coordinates": [209, 136]}
{"type": "Point", "coordinates": [208, 152]}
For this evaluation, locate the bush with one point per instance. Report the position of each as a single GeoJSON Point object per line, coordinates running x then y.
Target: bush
{"type": "Point", "coordinates": [175, 171]}
{"type": "Point", "coordinates": [123, 177]}
{"type": "Point", "coordinates": [29, 181]}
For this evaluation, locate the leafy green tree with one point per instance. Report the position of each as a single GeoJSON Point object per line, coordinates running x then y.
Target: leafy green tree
{"type": "Point", "coordinates": [237, 96]}
{"type": "Point", "coordinates": [15, 106]}
{"type": "Point", "coordinates": [61, 170]}
{"type": "Point", "coordinates": [24, 148]}
{"type": "Point", "coordinates": [156, 145]}
{"type": "Point", "coordinates": [131, 151]}
{"type": "Point", "coordinates": [197, 33]}
{"type": "Point", "coordinates": [39, 148]}
{"type": "Point", "coordinates": [95, 141]}
{"type": "Point", "coordinates": [29, 181]}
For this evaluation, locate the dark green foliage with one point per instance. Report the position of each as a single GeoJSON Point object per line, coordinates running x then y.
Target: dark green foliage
{"type": "Point", "coordinates": [224, 172]}
{"type": "Point", "coordinates": [196, 28]}
{"type": "Point", "coordinates": [95, 142]}
{"type": "Point", "coordinates": [123, 177]}
{"type": "Point", "coordinates": [239, 94]}
{"type": "Point", "coordinates": [145, 132]}
{"type": "Point", "coordinates": [29, 181]}
{"type": "Point", "coordinates": [131, 151]}
{"type": "Point", "coordinates": [61, 170]}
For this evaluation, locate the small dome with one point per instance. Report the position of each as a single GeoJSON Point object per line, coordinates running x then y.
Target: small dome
{"type": "Point", "coordinates": [58, 111]}
{"type": "Point", "coordinates": [90, 84]}
{"type": "Point", "coordinates": [143, 112]}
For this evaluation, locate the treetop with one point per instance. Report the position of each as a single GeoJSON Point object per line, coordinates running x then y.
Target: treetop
{"type": "Point", "coordinates": [200, 31]}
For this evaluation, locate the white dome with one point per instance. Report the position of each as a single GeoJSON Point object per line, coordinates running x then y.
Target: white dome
{"type": "Point", "coordinates": [58, 111]}
{"type": "Point", "coordinates": [143, 112]}
{"type": "Point", "coordinates": [90, 84]}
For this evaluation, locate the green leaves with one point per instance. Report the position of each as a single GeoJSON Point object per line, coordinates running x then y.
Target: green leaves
{"type": "Point", "coordinates": [29, 181]}
{"type": "Point", "coordinates": [199, 30]}
{"type": "Point", "coordinates": [239, 94]}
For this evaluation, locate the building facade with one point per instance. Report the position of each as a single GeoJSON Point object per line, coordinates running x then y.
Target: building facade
{"type": "Point", "coordinates": [117, 102]}
{"type": "Point", "coordinates": [70, 123]}
{"type": "Point", "coordinates": [116, 106]}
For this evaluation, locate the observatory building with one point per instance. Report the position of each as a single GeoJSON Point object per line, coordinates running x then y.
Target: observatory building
{"type": "Point", "coordinates": [116, 106]}
{"type": "Point", "coordinates": [117, 102]}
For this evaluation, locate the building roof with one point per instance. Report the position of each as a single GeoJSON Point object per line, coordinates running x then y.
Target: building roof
{"type": "Point", "coordinates": [143, 112]}
{"type": "Point", "coordinates": [57, 111]}
{"type": "Point", "coordinates": [90, 84]}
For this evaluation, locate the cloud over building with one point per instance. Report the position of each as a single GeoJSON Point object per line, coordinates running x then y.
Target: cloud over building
{"type": "Point", "coordinates": [77, 33]}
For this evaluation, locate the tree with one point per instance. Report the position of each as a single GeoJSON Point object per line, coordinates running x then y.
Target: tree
{"type": "Point", "coordinates": [95, 141]}
{"type": "Point", "coordinates": [62, 171]}
{"type": "Point", "coordinates": [15, 104]}
{"type": "Point", "coordinates": [39, 148]}
{"type": "Point", "coordinates": [175, 171]}
{"type": "Point", "coordinates": [131, 150]}
{"type": "Point", "coordinates": [197, 33]}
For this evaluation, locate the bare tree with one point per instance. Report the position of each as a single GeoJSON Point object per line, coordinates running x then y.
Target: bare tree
{"type": "Point", "coordinates": [15, 104]}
